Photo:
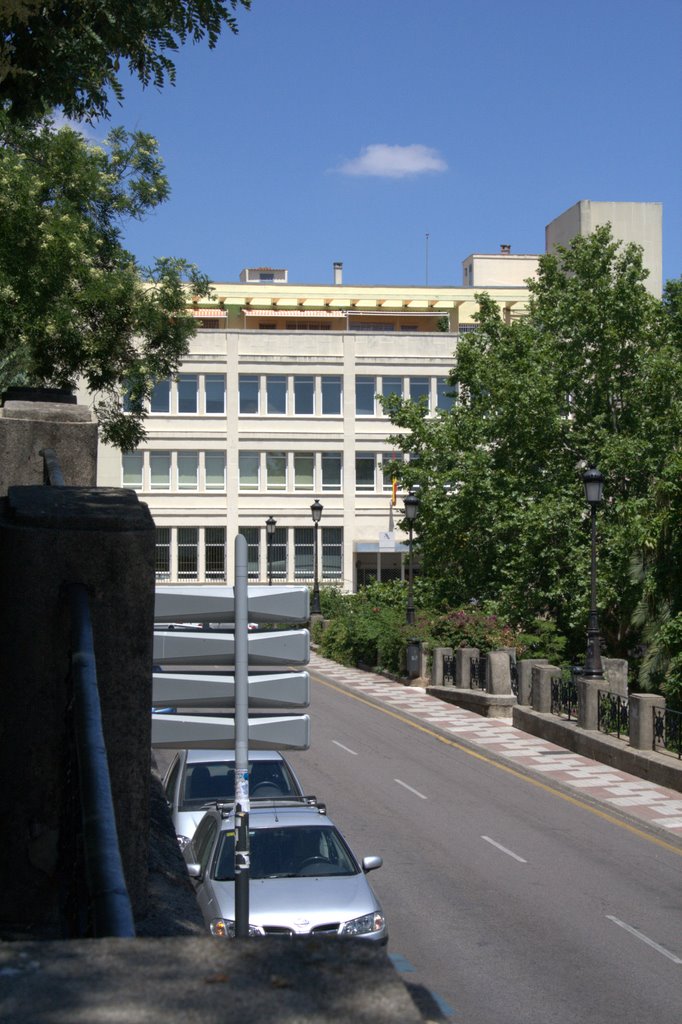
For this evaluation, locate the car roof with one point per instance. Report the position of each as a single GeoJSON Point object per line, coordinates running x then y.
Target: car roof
{"type": "Point", "coordinates": [278, 813]}
{"type": "Point", "coordinates": [199, 756]}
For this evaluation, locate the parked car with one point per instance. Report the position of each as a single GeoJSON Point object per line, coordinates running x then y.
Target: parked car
{"type": "Point", "coordinates": [304, 879]}
{"type": "Point", "coordinates": [197, 779]}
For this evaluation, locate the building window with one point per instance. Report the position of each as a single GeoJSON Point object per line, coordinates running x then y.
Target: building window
{"type": "Point", "coordinates": [419, 388]}
{"type": "Point", "coordinates": [303, 552]}
{"type": "Point", "coordinates": [188, 393]}
{"type": "Point", "coordinates": [160, 399]}
{"type": "Point", "coordinates": [331, 471]}
{"type": "Point", "coordinates": [304, 471]}
{"type": "Point", "coordinates": [332, 552]}
{"type": "Point", "coordinates": [188, 471]}
{"type": "Point", "coordinates": [276, 391]}
{"type": "Point", "coordinates": [188, 553]}
{"type": "Point", "coordinates": [159, 470]}
{"type": "Point", "coordinates": [249, 471]}
{"type": "Point", "coordinates": [214, 552]}
{"type": "Point", "coordinates": [445, 394]}
{"type": "Point", "coordinates": [248, 394]}
{"type": "Point", "coordinates": [392, 386]}
{"type": "Point", "coordinates": [269, 325]}
{"type": "Point", "coordinates": [214, 392]}
{"type": "Point", "coordinates": [364, 471]}
{"type": "Point", "coordinates": [276, 470]}
{"type": "Point", "coordinates": [368, 326]}
{"type": "Point", "coordinates": [132, 469]}
{"type": "Point", "coordinates": [252, 535]}
{"type": "Point", "coordinates": [304, 396]}
{"type": "Point", "coordinates": [279, 554]}
{"type": "Point", "coordinates": [388, 468]}
{"type": "Point", "coordinates": [331, 396]}
{"type": "Point", "coordinates": [365, 390]}
{"type": "Point", "coordinates": [162, 553]}
{"type": "Point", "coordinates": [214, 467]}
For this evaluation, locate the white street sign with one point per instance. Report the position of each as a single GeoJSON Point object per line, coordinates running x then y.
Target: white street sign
{"type": "Point", "coordinates": [284, 689]}
{"type": "Point", "coordinates": [205, 647]}
{"type": "Point", "coordinates": [216, 604]}
{"type": "Point", "coordinates": [198, 732]}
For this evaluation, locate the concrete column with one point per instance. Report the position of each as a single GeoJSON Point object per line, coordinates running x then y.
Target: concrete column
{"type": "Point", "coordinates": [588, 701]}
{"type": "Point", "coordinates": [49, 537]}
{"type": "Point", "coordinates": [463, 658]}
{"type": "Point", "coordinates": [641, 716]}
{"type": "Point", "coordinates": [499, 672]}
{"type": "Point", "coordinates": [32, 419]}
{"type": "Point", "coordinates": [542, 676]}
{"type": "Point", "coordinates": [616, 673]}
{"type": "Point", "coordinates": [437, 674]}
{"type": "Point", "coordinates": [524, 670]}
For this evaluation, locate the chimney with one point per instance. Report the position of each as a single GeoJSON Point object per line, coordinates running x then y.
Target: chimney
{"type": "Point", "coordinates": [338, 273]}
{"type": "Point", "coordinates": [505, 250]}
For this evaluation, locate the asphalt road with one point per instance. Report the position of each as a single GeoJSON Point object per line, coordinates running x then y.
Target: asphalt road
{"type": "Point", "coordinates": [509, 902]}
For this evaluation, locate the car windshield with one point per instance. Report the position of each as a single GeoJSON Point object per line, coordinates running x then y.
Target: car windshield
{"type": "Point", "coordinates": [288, 853]}
{"type": "Point", "coordinates": [211, 781]}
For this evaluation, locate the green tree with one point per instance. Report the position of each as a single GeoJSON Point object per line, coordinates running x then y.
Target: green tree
{"type": "Point", "coordinates": [503, 514]}
{"type": "Point", "coordinates": [69, 54]}
{"type": "Point", "coordinates": [74, 304]}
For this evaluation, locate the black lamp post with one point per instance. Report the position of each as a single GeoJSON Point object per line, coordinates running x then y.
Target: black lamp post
{"type": "Point", "coordinates": [411, 511]}
{"type": "Point", "coordinates": [316, 512]}
{"type": "Point", "coordinates": [270, 524]}
{"type": "Point", "coordinates": [594, 490]}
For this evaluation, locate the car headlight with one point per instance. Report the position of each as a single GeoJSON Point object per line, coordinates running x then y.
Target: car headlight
{"type": "Point", "coordinates": [365, 925]}
{"type": "Point", "coordinates": [223, 928]}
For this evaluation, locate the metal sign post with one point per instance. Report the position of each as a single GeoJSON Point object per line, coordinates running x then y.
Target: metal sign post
{"type": "Point", "coordinates": [242, 859]}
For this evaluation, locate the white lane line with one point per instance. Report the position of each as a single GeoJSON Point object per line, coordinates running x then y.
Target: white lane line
{"type": "Point", "coordinates": [645, 938]}
{"type": "Point", "coordinates": [415, 791]}
{"type": "Point", "coordinates": [510, 853]}
{"type": "Point", "coordinates": [347, 749]}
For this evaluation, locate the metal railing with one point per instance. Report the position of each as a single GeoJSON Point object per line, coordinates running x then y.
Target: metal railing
{"type": "Point", "coordinates": [564, 697]}
{"type": "Point", "coordinates": [103, 909]}
{"type": "Point", "coordinates": [613, 713]}
{"type": "Point", "coordinates": [668, 731]}
{"type": "Point", "coordinates": [478, 673]}
{"type": "Point", "coordinates": [514, 676]}
{"type": "Point", "coordinates": [449, 663]}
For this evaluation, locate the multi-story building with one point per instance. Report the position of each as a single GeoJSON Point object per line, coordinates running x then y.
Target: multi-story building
{"type": "Point", "coordinates": [276, 406]}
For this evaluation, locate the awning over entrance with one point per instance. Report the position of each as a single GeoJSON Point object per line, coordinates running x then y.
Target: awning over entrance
{"type": "Point", "coordinates": [372, 547]}
{"type": "Point", "coordinates": [205, 314]}
{"type": "Point", "coordinates": [293, 314]}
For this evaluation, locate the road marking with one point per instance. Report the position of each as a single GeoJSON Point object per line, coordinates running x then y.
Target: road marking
{"type": "Point", "coordinates": [401, 963]}
{"type": "Point", "coordinates": [645, 938]}
{"type": "Point", "coordinates": [415, 791]}
{"type": "Point", "coordinates": [510, 853]}
{"type": "Point", "coordinates": [639, 832]}
{"type": "Point", "coordinates": [347, 749]}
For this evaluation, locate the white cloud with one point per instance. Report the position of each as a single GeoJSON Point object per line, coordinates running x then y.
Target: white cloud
{"type": "Point", "coordinates": [381, 161]}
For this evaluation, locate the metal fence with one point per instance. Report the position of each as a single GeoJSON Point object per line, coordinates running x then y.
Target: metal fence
{"type": "Point", "coordinates": [565, 697]}
{"type": "Point", "coordinates": [95, 901]}
{"type": "Point", "coordinates": [478, 673]}
{"type": "Point", "coordinates": [449, 664]}
{"type": "Point", "coordinates": [613, 713]}
{"type": "Point", "coordinates": [668, 731]}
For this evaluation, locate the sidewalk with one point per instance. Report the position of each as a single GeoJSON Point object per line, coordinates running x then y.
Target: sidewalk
{"type": "Point", "coordinates": [642, 802]}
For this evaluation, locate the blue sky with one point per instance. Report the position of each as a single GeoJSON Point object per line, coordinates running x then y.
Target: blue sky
{"type": "Point", "coordinates": [350, 130]}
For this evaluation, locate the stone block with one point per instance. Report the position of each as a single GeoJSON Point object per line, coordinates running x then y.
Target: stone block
{"type": "Point", "coordinates": [641, 716]}
{"type": "Point", "coordinates": [463, 658]}
{"type": "Point", "coordinates": [524, 675]}
{"type": "Point", "coordinates": [437, 672]}
{"type": "Point", "coordinates": [499, 673]}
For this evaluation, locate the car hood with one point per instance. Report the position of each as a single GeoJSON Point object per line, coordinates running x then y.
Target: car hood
{"type": "Point", "coordinates": [301, 903]}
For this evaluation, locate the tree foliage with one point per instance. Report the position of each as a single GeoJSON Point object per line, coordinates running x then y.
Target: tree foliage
{"type": "Point", "coordinates": [590, 376]}
{"type": "Point", "coordinates": [69, 55]}
{"type": "Point", "coordinates": [73, 302]}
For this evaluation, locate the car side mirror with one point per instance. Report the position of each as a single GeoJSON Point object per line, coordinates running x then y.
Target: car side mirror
{"type": "Point", "coordinates": [194, 870]}
{"type": "Point", "coordinates": [371, 863]}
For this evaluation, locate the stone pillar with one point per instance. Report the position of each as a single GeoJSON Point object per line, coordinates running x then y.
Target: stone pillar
{"type": "Point", "coordinates": [588, 701]}
{"type": "Point", "coordinates": [463, 658]}
{"type": "Point", "coordinates": [437, 673]}
{"type": "Point", "coordinates": [524, 670]}
{"type": "Point", "coordinates": [50, 537]}
{"type": "Point", "coordinates": [616, 673]}
{"type": "Point", "coordinates": [499, 672]}
{"type": "Point", "coordinates": [542, 676]}
{"type": "Point", "coordinates": [33, 419]}
{"type": "Point", "coordinates": [641, 715]}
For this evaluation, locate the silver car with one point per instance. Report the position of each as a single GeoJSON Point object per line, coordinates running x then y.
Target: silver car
{"type": "Point", "coordinates": [304, 879]}
{"type": "Point", "coordinates": [198, 778]}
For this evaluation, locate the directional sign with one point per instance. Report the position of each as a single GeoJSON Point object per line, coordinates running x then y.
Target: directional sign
{"type": "Point", "coordinates": [216, 604]}
{"type": "Point", "coordinates": [283, 690]}
{"type": "Point", "coordinates": [198, 732]}
{"type": "Point", "coordinates": [205, 647]}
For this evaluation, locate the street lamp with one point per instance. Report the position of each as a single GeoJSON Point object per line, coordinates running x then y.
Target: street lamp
{"type": "Point", "coordinates": [316, 512]}
{"type": "Point", "coordinates": [594, 490]}
{"type": "Point", "coordinates": [270, 524]}
{"type": "Point", "coordinates": [411, 511]}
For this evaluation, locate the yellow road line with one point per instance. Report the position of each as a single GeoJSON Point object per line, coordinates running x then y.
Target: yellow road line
{"type": "Point", "coordinates": [502, 767]}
